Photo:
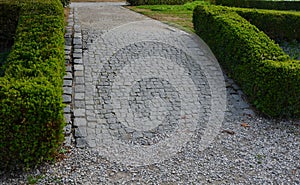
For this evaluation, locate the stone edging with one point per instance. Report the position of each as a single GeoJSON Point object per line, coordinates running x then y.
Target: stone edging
{"type": "Point", "coordinates": [74, 82]}
{"type": "Point", "coordinates": [68, 80]}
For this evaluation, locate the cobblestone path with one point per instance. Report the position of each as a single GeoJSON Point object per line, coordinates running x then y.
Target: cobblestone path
{"type": "Point", "coordinates": [143, 89]}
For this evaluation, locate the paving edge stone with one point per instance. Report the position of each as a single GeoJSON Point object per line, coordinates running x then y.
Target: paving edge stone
{"type": "Point", "coordinates": [79, 113]}
{"type": "Point", "coordinates": [68, 82]}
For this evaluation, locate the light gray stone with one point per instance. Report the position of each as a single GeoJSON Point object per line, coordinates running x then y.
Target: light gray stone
{"type": "Point", "coordinates": [68, 90]}
{"type": "Point", "coordinates": [67, 98]}
{"type": "Point", "coordinates": [80, 122]}
{"type": "Point", "coordinates": [81, 143]}
{"type": "Point", "coordinates": [79, 112]}
{"type": "Point", "coordinates": [68, 83]}
{"type": "Point", "coordinates": [78, 67]}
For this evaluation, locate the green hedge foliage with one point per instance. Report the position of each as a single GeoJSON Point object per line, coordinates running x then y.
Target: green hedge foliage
{"type": "Point", "coordinates": [30, 121]}
{"type": "Point", "coordinates": [31, 108]}
{"type": "Point", "coordinates": [157, 2]}
{"type": "Point", "coordinates": [260, 4]}
{"type": "Point", "coordinates": [284, 25]}
{"type": "Point", "coordinates": [38, 49]}
{"type": "Point", "coordinates": [39, 7]}
{"type": "Point", "coordinates": [258, 65]}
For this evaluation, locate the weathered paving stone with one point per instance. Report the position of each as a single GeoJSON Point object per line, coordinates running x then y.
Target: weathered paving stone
{"type": "Point", "coordinates": [79, 80]}
{"type": "Point", "coordinates": [81, 143]}
{"type": "Point", "coordinates": [78, 61]}
{"type": "Point", "coordinates": [78, 73]}
{"type": "Point", "coordinates": [68, 83]}
{"type": "Point", "coordinates": [77, 41]}
{"type": "Point", "coordinates": [78, 47]}
{"type": "Point", "coordinates": [79, 96]}
{"type": "Point", "coordinates": [79, 112]}
{"type": "Point", "coordinates": [68, 48]}
{"type": "Point", "coordinates": [80, 132]}
{"type": "Point", "coordinates": [67, 109]}
{"type": "Point", "coordinates": [80, 122]}
{"type": "Point", "coordinates": [79, 104]}
{"type": "Point", "coordinates": [79, 88]}
{"type": "Point", "coordinates": [78, 35]}
{"type": "Point", "coordinates": [77, 28]}
{"type": "Point", "coordinates": [67, 98]}
{"type": "Point", "coordinates": [77, 55]}
{"type": "Point", "coordinates": [68, 90]}
{"type": "Point", "coordinates": [78, 67]}
{"type": "Point", "coordinates": [79, 51]}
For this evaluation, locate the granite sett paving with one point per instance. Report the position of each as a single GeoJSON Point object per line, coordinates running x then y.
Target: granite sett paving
{"type": "Point", "coordinates": [144, 89]}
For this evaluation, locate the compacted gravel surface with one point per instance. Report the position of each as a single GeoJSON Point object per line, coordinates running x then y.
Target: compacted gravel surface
{"type": "Point", "coordinates": [266, 152]}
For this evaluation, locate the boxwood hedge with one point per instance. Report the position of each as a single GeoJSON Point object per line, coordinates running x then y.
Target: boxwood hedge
{"type": "Point", "coordinates": [258, 65]}
{"type": "Point", "coordinates": [276, 24]}
{"type": "Point", "coordinates": [260, 4]}
{"type": "Point", "coordinates": [157, 2]}
{"type": "Point", "coordinates": [31, 109]}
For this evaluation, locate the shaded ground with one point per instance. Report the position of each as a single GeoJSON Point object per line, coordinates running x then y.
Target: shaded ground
{"type": "Point", "coordinates": [97, 1]}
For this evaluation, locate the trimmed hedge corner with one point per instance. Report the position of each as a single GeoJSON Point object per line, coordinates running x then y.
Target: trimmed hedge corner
{"type": "Point", "coordinates": [31, 108]}
{"type": "Point", "coordinates": [276, 24]}
{"type": "Point", "coordinates": [260, 4]}
{"type": "Point", "coordinates": [157, 2]}
{"type": "Point", "coordinates": [258, 65]}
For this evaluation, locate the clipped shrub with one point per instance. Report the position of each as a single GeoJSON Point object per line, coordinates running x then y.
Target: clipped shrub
{"type": "Point", "coordinates": [39, 7]}
{"type": "Point", "coordinates": [252, 59]}
{"type": "Point", "coordinates": [275, 89]}
{"type": "Point", "coordinates": [157, 2]}
{"type": "Point", "coordinates": [38, 50]}
{"type": "Point", "coordinates": [31, 108]}
{"type": "Point", "coordinates": [30, 121]}
{"type": "Point", "coordinates": [260, 4]}
{"type": "Point", "coordinates": [276, 24]}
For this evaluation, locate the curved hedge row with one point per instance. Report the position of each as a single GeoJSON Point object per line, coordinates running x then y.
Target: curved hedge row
{"type": "Point", "coordinates": [276, 24]}
{"type": "Point", "coordinates": [261, 4]}
{"type": "Point", "coordinates": [157, 2]}
{"type": "Point", "coordinates": [258, 65]}
{"type": "Point", "coordinates": [31, 108]}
